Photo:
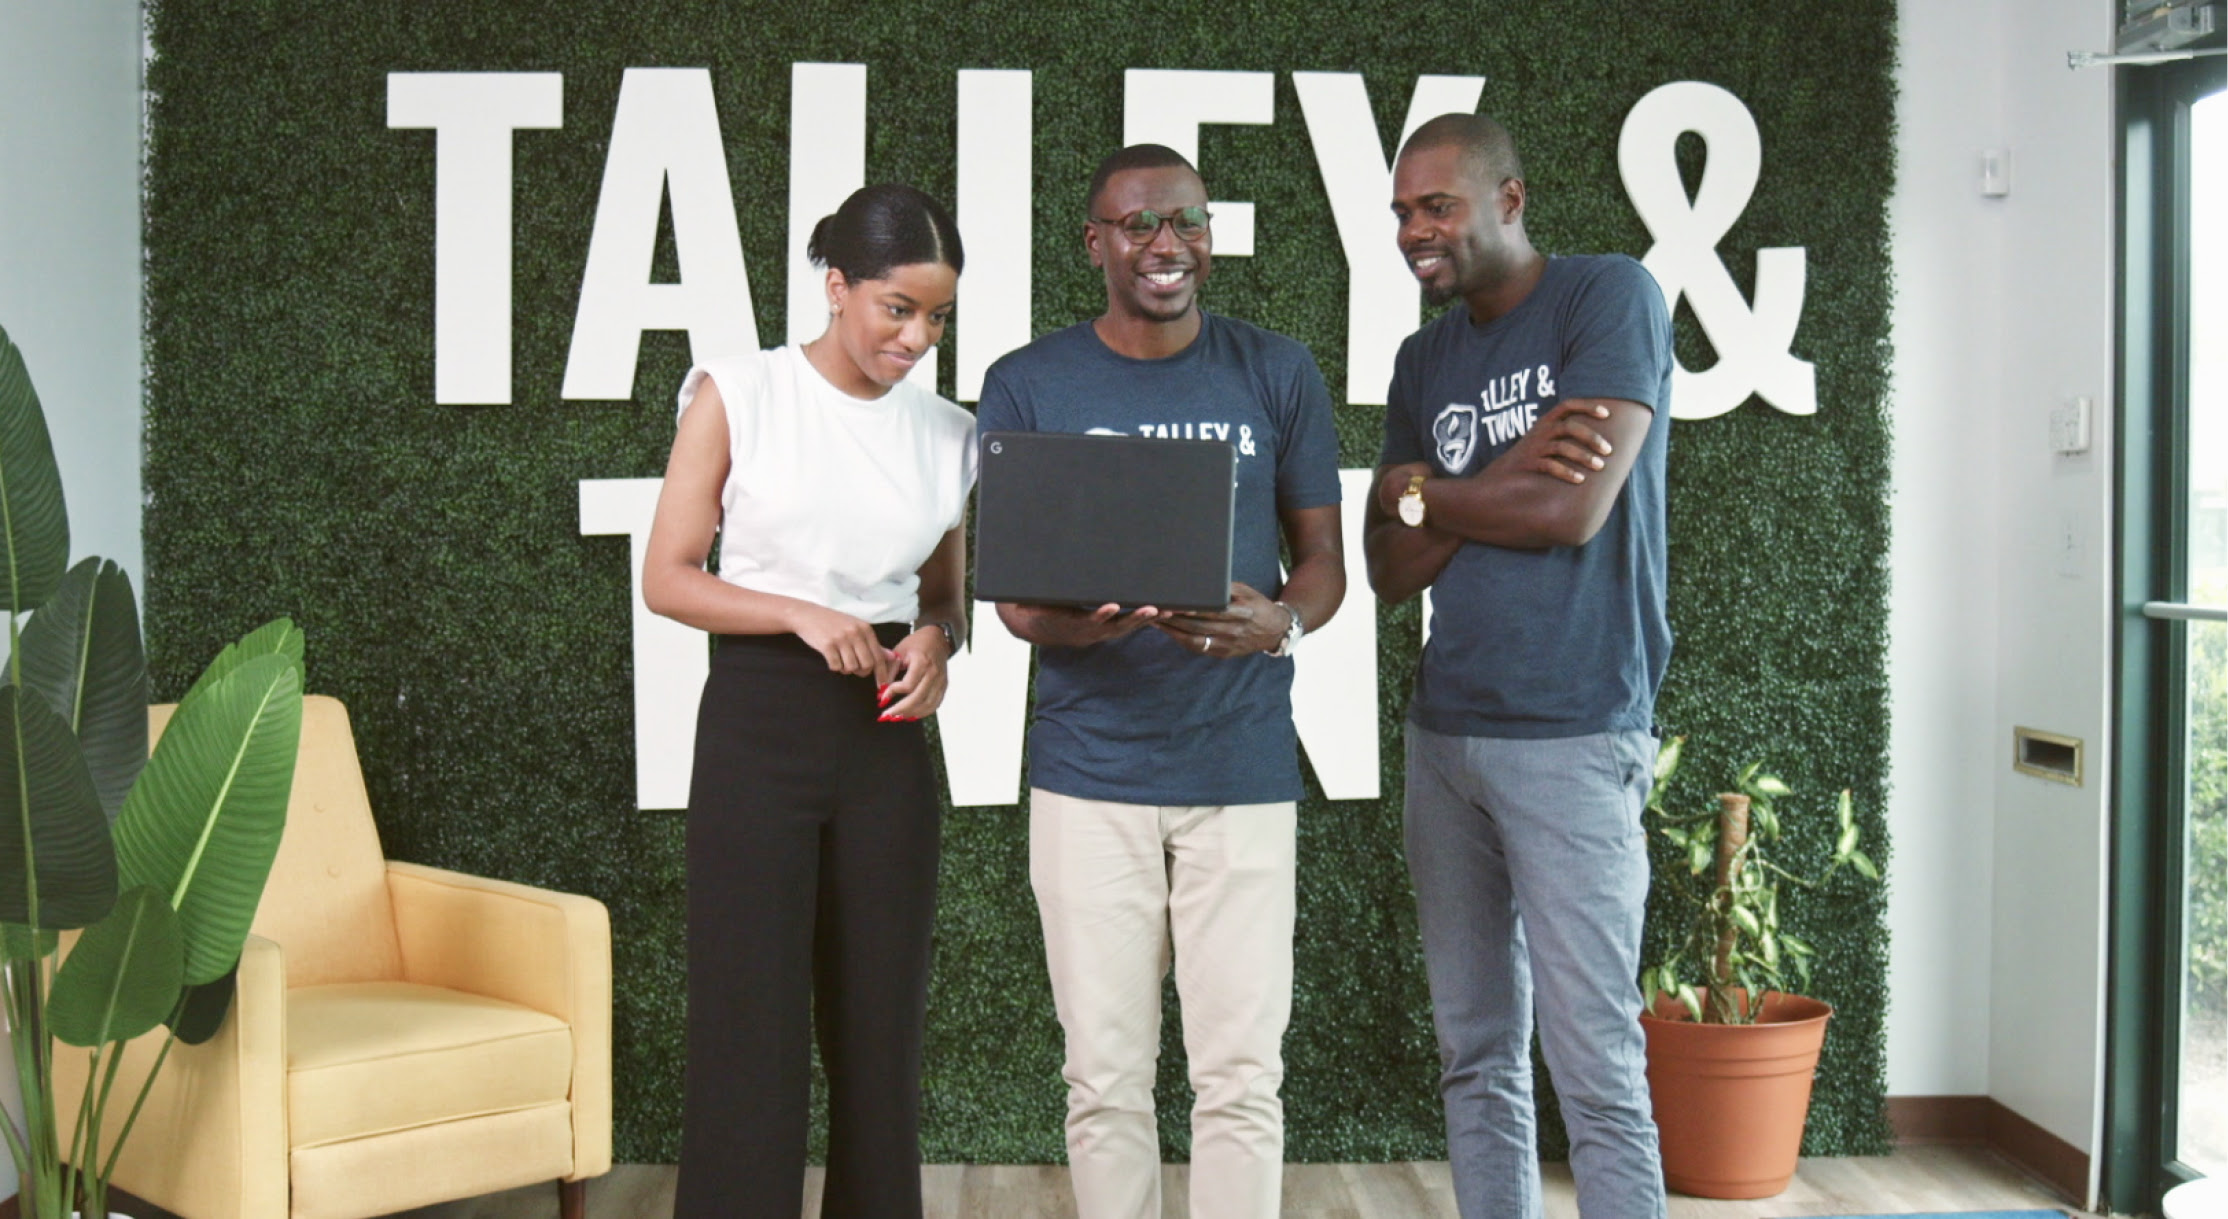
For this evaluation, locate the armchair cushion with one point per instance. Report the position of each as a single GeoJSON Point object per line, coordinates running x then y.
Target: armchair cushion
{"type": "Point", "coordinates": [539, 949]}
{"type": "Point", "coordinates": [370, 1058]}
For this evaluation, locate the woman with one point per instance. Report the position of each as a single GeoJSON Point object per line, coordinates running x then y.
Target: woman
{"type": "Point", "coordinates": [837, 489]}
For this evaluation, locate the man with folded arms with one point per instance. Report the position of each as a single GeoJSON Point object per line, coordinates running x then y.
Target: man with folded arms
{"type": "Point", "coordinates": [1522, 482]}
{"type": "Point", "coordinates": [1163, 764]}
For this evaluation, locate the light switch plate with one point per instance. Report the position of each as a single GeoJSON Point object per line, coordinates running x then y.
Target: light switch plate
{"type": "Point", "coordinates": [2069, 426]}
{"type": "Point", "coordinates": [1995, 172]}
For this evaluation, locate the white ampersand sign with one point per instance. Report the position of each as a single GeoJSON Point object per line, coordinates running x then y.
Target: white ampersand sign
{"type": "Point", "coordinates": [1754, 343]}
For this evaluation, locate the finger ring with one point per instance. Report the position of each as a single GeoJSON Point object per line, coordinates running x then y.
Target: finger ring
{"type": "Point", "coordinates": [1206, 642]}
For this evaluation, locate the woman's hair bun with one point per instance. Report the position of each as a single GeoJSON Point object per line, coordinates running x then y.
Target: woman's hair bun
{"type": "Point", "coordinates": [817, 244]}
{"type": "Point", "coordinates": [883, 226]}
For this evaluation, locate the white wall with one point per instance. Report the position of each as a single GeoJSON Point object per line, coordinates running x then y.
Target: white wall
{"type": "Point", "coordinates": [2053, 646]}
{"type": "Point", "coordinates": [69, 263]}
{"type": "Point", "coordinates": [2004, 309]}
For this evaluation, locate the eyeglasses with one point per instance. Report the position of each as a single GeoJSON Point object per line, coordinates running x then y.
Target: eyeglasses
{"type": "Point", "coordinates": [1141, 227]}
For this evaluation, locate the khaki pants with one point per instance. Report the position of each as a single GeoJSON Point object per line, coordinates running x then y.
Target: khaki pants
{"type": "Point", "coordinates": [1115, 885]}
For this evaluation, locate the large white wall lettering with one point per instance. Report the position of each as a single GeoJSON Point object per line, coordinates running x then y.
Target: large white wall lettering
{"type": "Point", "coordinates": [665, 139]}
{"type": "Point", "coordinates": [666, 144]}
{"type": "Point", "coordinates": [473, 115]}
{"type": "Point", "coordinates": [1754, 343]}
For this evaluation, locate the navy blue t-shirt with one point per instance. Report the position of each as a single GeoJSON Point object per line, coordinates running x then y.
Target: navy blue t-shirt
{"type": "Point", "coordinates": [1570, 640]}
{"type": "Point", "coordinates": [1143, 719]}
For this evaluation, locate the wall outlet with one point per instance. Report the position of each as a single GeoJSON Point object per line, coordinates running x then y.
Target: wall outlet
{"type": "Point", "coordinates": [2069, 426]}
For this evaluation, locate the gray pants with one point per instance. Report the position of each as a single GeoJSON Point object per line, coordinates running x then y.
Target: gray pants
{"type": "Point", "coordinates": [1531, 875]}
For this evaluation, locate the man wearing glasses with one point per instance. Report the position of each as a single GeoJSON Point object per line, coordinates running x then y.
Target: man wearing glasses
{"type": "Point", "coordinates": [1163, 764]}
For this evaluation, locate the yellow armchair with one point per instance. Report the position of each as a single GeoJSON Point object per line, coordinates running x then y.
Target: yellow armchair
{"type": "Point", "coordinates": [402, 1035]}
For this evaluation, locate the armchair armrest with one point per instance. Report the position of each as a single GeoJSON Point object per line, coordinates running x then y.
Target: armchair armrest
{"type": "Point", "coordinates": [212, 1141]}
{"type": "Point", "coordinates": [537, 948]}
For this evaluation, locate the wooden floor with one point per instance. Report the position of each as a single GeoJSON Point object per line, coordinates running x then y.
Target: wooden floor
{"type": "Point", "coordinates": [1913, 1179]}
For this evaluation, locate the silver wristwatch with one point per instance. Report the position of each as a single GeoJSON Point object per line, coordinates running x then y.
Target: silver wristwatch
{"type": "Point", "coordinates": [1292, 631]}
{"type": "Point", "coordinates": [951, 635]}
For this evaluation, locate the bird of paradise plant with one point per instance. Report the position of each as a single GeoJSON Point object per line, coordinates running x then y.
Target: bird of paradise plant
{"type": "Point", "coordinates": [158, 862]}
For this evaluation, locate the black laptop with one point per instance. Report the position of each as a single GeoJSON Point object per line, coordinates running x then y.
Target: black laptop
{"type": "Point", "coordinates": [1063, 519]}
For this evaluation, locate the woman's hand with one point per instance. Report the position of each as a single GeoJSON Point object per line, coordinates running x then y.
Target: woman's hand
{"type": "Point", "coordinates": [847, 643]}
{"type": "Point", "coordinates": [921, 680]}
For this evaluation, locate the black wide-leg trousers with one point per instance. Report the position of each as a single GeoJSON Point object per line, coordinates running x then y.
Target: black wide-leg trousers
{"type": "Point", "coordinates": [812, 849]}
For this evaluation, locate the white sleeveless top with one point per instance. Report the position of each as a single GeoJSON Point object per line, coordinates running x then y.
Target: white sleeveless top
{"type": "Point", "coordinates": [829, 498]}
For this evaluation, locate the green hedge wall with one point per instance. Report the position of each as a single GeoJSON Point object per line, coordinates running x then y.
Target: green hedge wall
{"type": "Point", "coordinates": [296, 462]}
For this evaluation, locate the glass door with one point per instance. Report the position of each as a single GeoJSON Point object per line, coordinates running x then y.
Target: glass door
{"type": "Point", "coordinates": [2201, 1078]}
{"type": "Point", "coordinates": [2167, 1120]}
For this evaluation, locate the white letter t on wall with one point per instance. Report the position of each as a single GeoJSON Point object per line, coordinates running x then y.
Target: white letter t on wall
{"type": "Point", "coordinates": [472, 115]}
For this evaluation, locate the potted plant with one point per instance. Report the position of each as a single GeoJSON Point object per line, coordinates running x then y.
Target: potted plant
{"type": "Point", "coordinates": [1731, 1047]}
{"type": "Point", "coordinates": [158, 862]}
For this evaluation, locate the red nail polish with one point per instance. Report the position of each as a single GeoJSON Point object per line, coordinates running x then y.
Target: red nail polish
{"type": "Point", "coordinates": [886, 719]}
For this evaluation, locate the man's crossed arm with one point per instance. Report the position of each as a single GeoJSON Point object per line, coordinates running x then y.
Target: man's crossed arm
{"type": "Point", "coordinates": [1553, 487]}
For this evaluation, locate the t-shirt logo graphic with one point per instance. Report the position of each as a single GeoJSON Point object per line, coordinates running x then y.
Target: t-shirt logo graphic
{"type": "Point", "coordinates": [1456, 433]}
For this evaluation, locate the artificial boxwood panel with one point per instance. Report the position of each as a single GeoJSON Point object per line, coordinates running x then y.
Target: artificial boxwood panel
{"type": "Point", "coordinates": [296, 462]}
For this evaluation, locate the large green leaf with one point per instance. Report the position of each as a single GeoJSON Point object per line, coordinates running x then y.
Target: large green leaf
{"type": "Point", "coordinates": [204, 820]}
{"type": "Point", "coordinates": [201, 1012]}
{"type": "Point", "coordinates": [34, 524]}
{"type": "Point", "coordinates": [56, 866]}
{"type": "Point", "coordinates": [123, 977]}
{"type": "Point", "coordinates": [278, 637]}
{"type": "Point", "coordinates": [82, 652]}
{"type": "Point", "coordinates": [1667, 759]}
{"type": "Point", "coordinates": [21, 943]}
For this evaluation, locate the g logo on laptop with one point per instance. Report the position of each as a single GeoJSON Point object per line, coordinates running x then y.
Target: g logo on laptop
{"type": "Point", "coordinates": [997, 447]}
{"type": "Point", "coordinates": [1456, 434]}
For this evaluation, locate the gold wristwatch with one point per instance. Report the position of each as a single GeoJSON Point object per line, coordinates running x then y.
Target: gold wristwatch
{"type": "Point", "coordinates": [1411, 502]}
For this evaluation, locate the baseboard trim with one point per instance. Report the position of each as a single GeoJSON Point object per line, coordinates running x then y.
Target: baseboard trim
{"type": "Point", "coordinates": [1919, 1120]}
{"type": "Point", "coordinates": [1922, 1120]}
{"type": "Point", "coordinates": [11, 1207]}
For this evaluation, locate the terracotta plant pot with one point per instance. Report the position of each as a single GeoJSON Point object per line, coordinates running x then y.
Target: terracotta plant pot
{"type": "Point", "coordinates": [1731, 1099]}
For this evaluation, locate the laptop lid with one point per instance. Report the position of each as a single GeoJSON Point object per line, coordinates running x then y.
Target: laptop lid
{"type": "Point", "coordinates": [1083, 520]}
